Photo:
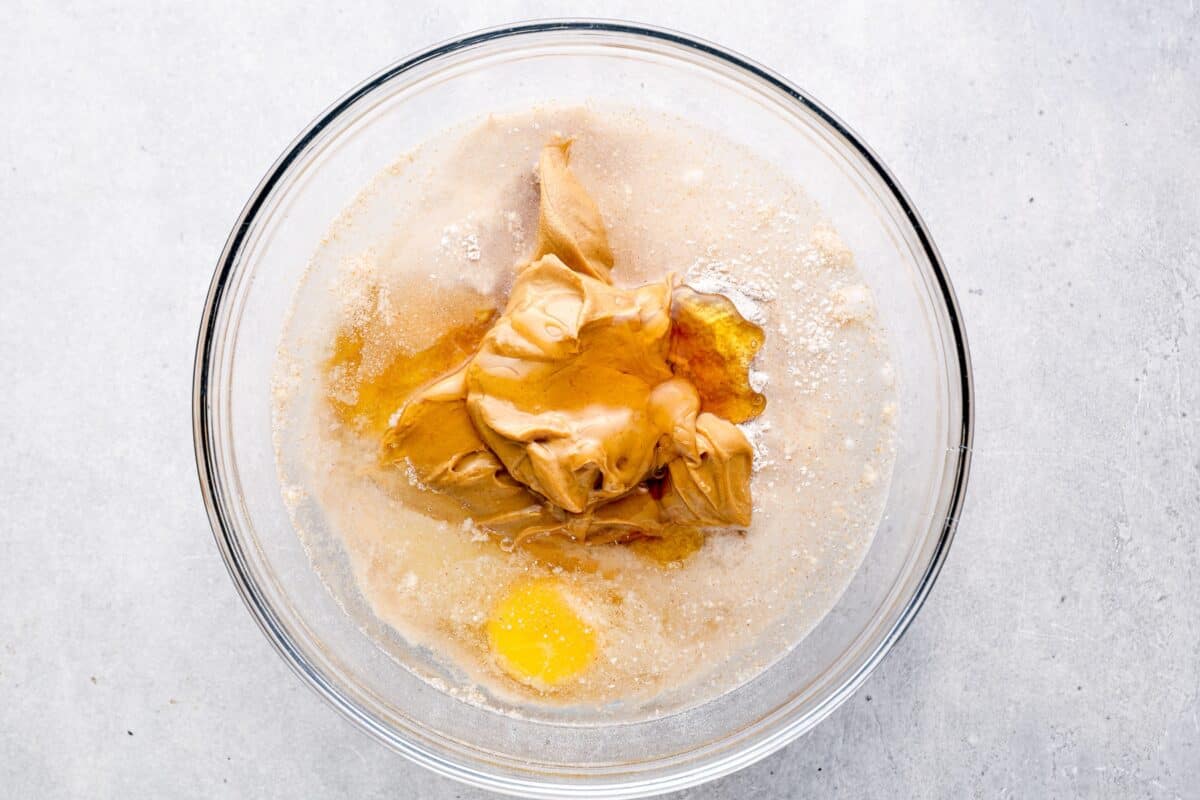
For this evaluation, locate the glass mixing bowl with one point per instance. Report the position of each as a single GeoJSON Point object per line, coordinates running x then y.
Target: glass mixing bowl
{"type": "Point", "coordinates": [512, 69]}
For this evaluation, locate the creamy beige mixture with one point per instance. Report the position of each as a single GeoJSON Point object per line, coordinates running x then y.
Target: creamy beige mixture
{"type": "Point", "coordinates": [385, 309]}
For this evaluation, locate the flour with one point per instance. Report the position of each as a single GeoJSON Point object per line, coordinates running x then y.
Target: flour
{"type": "Point", "coordinates": [756, 433]}
{"type": "Point", "coordinates": [748, 296]}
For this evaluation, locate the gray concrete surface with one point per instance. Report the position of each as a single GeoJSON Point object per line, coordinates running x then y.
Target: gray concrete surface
{"type": "Point", "coordinates": [1055, 153]}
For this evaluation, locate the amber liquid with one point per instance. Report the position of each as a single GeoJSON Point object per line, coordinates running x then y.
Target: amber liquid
{"type": "Point", "coordinates": [712, 345]}
{"type": "Point", "coordinates": [366, 398]}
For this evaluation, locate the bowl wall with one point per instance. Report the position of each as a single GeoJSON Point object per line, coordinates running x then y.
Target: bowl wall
{"type": "Point", "coordinates": [357, 669]}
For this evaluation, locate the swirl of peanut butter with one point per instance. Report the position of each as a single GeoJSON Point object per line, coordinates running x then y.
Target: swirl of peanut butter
{"type": "Point", "coordinates": [569, 222]}
{"type": "Point", "coordinates": [562, 387]}
{"type": "Point", "coordinates": [573, 418]}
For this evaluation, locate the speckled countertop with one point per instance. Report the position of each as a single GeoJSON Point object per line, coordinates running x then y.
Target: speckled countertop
{"type": "Point", "coordinates": [1055, 154]}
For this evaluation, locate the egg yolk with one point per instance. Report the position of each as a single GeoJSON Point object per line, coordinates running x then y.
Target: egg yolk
{"type": "Point", "coordinates": [537, 637]}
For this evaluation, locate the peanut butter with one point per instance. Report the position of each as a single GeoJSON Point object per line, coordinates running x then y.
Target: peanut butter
{"type": "Point", "coordinates": [590, 411]}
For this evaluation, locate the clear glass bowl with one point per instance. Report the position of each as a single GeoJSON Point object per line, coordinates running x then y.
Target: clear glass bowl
{"type": "Point", "coordinates": [511, 69]}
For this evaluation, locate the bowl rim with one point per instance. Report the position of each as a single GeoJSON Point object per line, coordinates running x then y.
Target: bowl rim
{"type": "Point", "coordinates": [260, 608]}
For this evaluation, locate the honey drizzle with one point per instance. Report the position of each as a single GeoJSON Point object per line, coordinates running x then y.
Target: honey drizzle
{"type": "Point", "coordinates": [366, 399]}
{"type": "Point", "coordinates": [712, 345]}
